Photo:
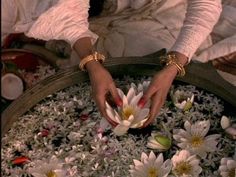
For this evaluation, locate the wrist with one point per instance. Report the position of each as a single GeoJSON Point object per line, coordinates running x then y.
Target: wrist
{"type": "Point", "coordinates": [174, 59]}
{"type": "Point", "coordinates": [171, 70]}
{"type": "Point", "coordinates": [181, 58]}
{"type": "Point", "coordinates": [83, 47]}
{"type": "Point", "coordinates": [92, 66]}
{"type": "Point", "coordinates": [95, 57]}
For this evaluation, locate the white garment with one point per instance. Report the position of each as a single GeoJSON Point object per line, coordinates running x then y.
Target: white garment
{"type": "Point", "coordinates": [200, 19]}
{"type": "Point", "coordinates": [224, 35]}
{"type": "Point", "coordinates": [67, 20]}
{"type": "Point", "coordinates": [157, 24]}
{"type": "Point", "coordinates": [47, 19]}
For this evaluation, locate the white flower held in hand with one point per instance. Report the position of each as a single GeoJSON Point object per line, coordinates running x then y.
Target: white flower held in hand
{"type": "Point", "coordinates": [45, 168]}
{"type": "Point", "coordinates": [150, 166]}
{"type": "Point", "coordinates": [182, 100]}
{"type": "Point", "coordinates": [227, 167]}
{"type": "Point", "coordinates": [194, 140]}
{"type": "Point", "coordinates": [185, 164]}
{"type": "Point", "coordinates": [130, 115]}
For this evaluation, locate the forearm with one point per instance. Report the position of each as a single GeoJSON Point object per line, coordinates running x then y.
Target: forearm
{"type": "Point", "coordinates": [84, 48]}
{"type": "Point", "coordinates": [200, 19]}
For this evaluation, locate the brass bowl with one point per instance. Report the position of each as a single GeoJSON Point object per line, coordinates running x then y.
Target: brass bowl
{"type": "Point", "coordinates": [201, 75]}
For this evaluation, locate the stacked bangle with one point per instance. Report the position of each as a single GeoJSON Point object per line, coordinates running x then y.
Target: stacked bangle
{"type": "Point", "coordinates": [95, 56]}
{"type": "Point", "coordinates": [171, 59]}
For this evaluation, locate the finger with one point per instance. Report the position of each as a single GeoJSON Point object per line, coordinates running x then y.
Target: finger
{"type": "Point", "coordinates": [147, 95]}
{"type": "Point", "coordinates": [157, 102]}
{"type": "Point", "coordinates": [115, 95]}
{"type": "Point", "coordinates": [100, 100]}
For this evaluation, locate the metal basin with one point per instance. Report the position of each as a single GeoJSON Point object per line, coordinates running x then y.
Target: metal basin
{"type": "Point", "coordinates": [201, 75]}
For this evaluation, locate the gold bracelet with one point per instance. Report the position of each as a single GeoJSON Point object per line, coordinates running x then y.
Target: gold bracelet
{"type": "Point", "coordinates": [96, 56]}
{"type": "Point", "coordinates": [171, 59]}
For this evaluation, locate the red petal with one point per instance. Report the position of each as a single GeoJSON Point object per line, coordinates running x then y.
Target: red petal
{"type": "Point", "coordinates": [44, 133]}
{"type": "Point", "coordinates": [20, 160]}
{"type": "Point", "coordinates": [84, 117]}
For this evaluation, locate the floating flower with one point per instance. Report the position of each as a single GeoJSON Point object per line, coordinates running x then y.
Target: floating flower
{"type": "Point", "coordinates": [194, 140]}
{"type": "Point", "coordinates": [229, 128]}
{"type": "Point", "coordinates": [150, 166]}
{"type": "Point", "coordinates": [45, 168]}
{"type": "Point", "coordinates": [159, 141]}
{"type": "Point", "coordinates": [182, 100]}
{"type": "Point", "coordinates": [227, 167]}
{"type": "Point", "coordinates": [130, 115]}
{"type": "Point", "coordinates": [185, 164]}
{"type": "Point", "coordinates": [225, 122]}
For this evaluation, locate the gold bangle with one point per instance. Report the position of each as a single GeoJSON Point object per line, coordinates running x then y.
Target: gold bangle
{"type": "Point", "coordinates": [171, 59]}
{"type": "Point", "coordinates": [95, 56]}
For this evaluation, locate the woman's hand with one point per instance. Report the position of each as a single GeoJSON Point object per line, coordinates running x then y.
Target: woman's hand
{"type": "Point", "coordinates": [102, 84]}
{"type": "Point", "coordinates": [159, 87]}
{"type": "Point", "coordinates": [100, 79]}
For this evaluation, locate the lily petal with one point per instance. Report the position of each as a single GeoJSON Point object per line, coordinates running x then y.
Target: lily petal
{"type": "Point", "coordinates": [120, 129]}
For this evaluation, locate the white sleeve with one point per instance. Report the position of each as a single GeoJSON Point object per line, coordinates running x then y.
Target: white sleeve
{"type": "Point", "coordinates": [200, 19]}
{"type": "Point", "coordinates": [67, 20]}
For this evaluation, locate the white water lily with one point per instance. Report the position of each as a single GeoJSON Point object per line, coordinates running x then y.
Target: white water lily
{"type": "Point", "coordinates": [227, 167]}
{"type": "Point", "coordinates": [48, 168]}
{"type": "Point", "coordinates": [228, 127]}
{"type": "Point", "coordinates": [185, 164]}
{"type": "Point", "coordinates": [225, 122]}
{"type": "Point", "coordinates": [182, 100]}
{"type": "Point", "coordinates": [159, 141]}
{"type": "Point", "coordinates": [150, 166]}
{"type": "Point", "coordinates": [194, 138]}
{"type": "Point", "coordinates": [130, 115]}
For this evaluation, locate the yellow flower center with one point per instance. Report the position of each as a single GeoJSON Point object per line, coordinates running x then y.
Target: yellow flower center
{"type": "Point", "coordinates": [196, 141]}
{"type": "Point", "coordinates": [51, 174]}
{"type": "Point", "coordinates": [126, 112]}
{"type": "Point", "coordinates": [152, 172]}
{"type": "Point", "coordinates": [232, 173]}
{"type": "Point", "coordinates": [183, 168]}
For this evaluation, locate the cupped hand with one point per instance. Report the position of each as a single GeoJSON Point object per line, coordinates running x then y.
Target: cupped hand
{"type": "Point", "coordinates": [159, 87]}
{"type": "Point", "coordinates": [157, 91]}
{"type": "Point", "coordinates": [102, 84]}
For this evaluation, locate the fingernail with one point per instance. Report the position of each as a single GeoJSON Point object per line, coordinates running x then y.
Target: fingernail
{"type": "Point", "coordinates": [119, 102]}
{"type": "Point", "coordinates": [141, 103]}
